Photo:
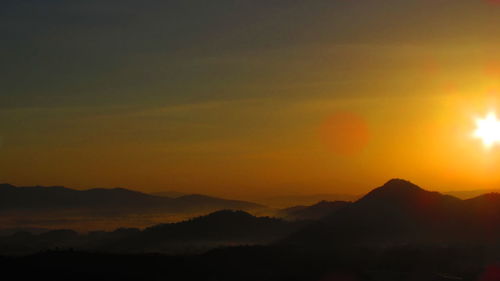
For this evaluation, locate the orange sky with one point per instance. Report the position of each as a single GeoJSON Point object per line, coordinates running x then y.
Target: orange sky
{"type": "Point", "coordinates": [326, 111]}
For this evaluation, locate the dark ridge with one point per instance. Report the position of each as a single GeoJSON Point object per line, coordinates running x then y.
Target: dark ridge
{"type": "Point", "coordinates": [58, 197]}
{"type": "Point", "coordinates": [486, 207]}
{"type": "Point", "coordinates": [394, 188]}
{"type": "Point", "coordinates": [221, 228]}
{"type": "Point", "coordinates": [212, 200]}
{"type": "Point", "coordinates": [218, 217]}
{"type": "Point", "coordinates": [492, 196]}
{"type": "Point", "coordinates": [6, 185]}
{"type": "Point", "coordinates": [397, 212]}
{"type": "Point", "coordinates": [401, 192]}
{"type": "Point", "coordinates": [313, 212]}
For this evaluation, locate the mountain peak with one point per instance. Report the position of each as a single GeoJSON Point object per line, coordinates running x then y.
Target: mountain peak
{"type": "Point", "coordinates": [398, 189]}
{"type": "Point", "coordinates": [400, 183]}
{"type": "Point", "coordinates": [229, 214]}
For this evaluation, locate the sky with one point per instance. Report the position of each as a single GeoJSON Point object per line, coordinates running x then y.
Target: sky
{"type": "Point", "coordinates": [248, 98]}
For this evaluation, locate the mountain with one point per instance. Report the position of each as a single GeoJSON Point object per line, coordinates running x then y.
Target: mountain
{"type": "Point", "coordinates": [305, 200]}
{"type": "Point", "coordinates": [313, 212]}
{"type": "Point", "coordinates": [486, 204]}
{"type": "Point", "coordinates": [468, 194]}
{"type": "Point", "coordinates": [170, 194]}
{"type": "Point", "coordinates": [224, 225]}
{"type": "Point", "coordinates": [203, 201]}
{"type": "Point", "coordinates": [56, 197]}
{"type": "Point", "coordinates": [396, 213]}
{"type": "Point", "coordinates": [400, 212]}
{"type": "Point", "coordinates": [101, 209]}
{"type": "Point", "coordinates": [397, 231]}
{"type": "Point", "coordinates": [221, 228]}
{"type": "Point", "coordinates": [43, 198]}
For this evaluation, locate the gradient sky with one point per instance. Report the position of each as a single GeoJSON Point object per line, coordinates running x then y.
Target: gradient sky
{"type": "Point", "coordinates": [245, 98]}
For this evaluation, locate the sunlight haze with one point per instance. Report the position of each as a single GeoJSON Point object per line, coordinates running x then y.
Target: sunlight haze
{"type": "Point", "coordinates": [249, 98]}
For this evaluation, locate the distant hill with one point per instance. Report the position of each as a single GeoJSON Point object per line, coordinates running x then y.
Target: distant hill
{"type": "Point", "coordinates": [399, 212]}
{"type": "Point", "coordinates": [468, 194]}
{"type": "Point", "coordinates": [170, 194]}
{"type": "Point", "coordinates": [203, 201]}
{"type": "Point", "coordinates": [57, 197]}
{"type": "Point", "coordinates": [44, 198]}
{"type": "Point", "coordinates": [101, 209]}
{"type": "Point", "coordinates": [226, 226]}
{"type": "Point", "coordinates": [305, 200]}
{"type": "Point", "coordinates": [398, 231]}
{"type": "Point", "coordinates": [10, 231]}
{"type": "Point", "coordinates": [313, 212]}
{"type": "Point", "coordinates": [221, 228]}
{"type": "Point", "coordinates": [394, 214]}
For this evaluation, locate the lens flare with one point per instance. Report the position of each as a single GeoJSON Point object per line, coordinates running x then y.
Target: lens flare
{"type": "Point", "coordinates": [345, 133]}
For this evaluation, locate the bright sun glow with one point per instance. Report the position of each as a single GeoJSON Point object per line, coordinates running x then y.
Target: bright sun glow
{"type": "Point", "coordinates": [488, 130]}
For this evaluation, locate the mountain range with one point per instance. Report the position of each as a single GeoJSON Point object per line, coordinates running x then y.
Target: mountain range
{"type": "Point", "coordinates": [56, 197]}
{"type": "Point", "coordinates": [394, 214]}
{"type": "Point", "coordinates": [312, 212]}
{"type": "Point", "coordinates": [401, 213]}
{"type": "Point", "coordinates": [101, 209]}
{"type": "Point", "coordinates": [221, 228]}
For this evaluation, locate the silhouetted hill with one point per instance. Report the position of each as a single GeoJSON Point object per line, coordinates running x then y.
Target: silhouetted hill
{"type": "Point", "coordinates": [107, 209]}
{"type": "Point", "coordinates": [225, 225]}
{"type": "Point", "coordinates": [217, 229]}
{"type": "Point", "coordinates": [221, 228]}
{"type": "Point", "coordinates": [469, 194]}
{"type": "Point", "coordinates": [398, 231]}
{"type": "Point", "coordinates": [400, 212]}
{"type": "Point", "coordinates": [282, 202]}
{"type": "Point", "coordinates": [203, 201]}
{"type": "Point", "coordinates": [486, 202]}
{"type": "Point", "coordinates": [56, 197]}
{"type": "Point", "coordinates": [398, 191]}
{"type": "Point", "coordinates": [10, 231]}
{"type": "Point", "coordinates": [169, 194]}
{"type": "Point", "coordinates": [397, 213]}
{"type": "Point", "coordinates": [483, 216]}
{"type": "Point", "coordinates": [313, 212]}
{"type": "Point", "coordinates": [42, 198]}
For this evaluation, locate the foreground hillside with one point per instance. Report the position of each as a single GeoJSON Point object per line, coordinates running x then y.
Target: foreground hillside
{"type": "Point", "coordinates": [264, 263]}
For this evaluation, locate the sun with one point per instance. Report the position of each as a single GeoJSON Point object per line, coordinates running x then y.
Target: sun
{"type": "Point", "coordinates": [488, 130]}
